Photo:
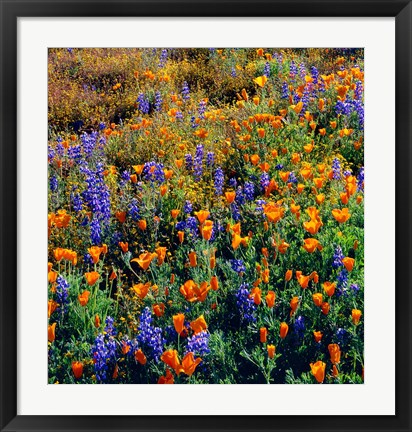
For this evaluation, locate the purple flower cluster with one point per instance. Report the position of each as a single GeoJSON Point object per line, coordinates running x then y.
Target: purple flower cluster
{"type": "Point", "coordinates": [245, 304]}
{"type": "Point", "coordinates": [198, 344]}
{"type": "Point", "coordinates": [337, 258]}
{"type": "Point", "coordinates": [198, 163]}
{"type": "Point", "coordinates": [238, 265]}
{"type": "Point", "coordinates": [143, 103]}
{"type": "Point", "coordinates": [336, 169]}
{"type": "Point", "coordinates": [62, 292]}
{"type": "Point", "coordinates": [185, 91]}
{"type": "Point", "coordinates": [150, 337]}
{"type": "Point", "coordinates": [104, 351]}
{"type": "Point", "coordinates": [219, 180]}
{"type": "Point", "coordinates": [153, 172]}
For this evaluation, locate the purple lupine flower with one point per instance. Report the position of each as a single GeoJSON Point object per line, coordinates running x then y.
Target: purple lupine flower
{"type": "Point", "coordinates": [149, 337]}
{"type": "Point", "coordinates": [285, 90]}
{"type": "Point", "coordinates": [210, 159]}
{"type": "Point", "coordinates": [246, 305]}
{"type": "Point", "coordinates": [158, 101]}
{"type": "Point", "coordinates": [336, 169]}
{"type": "Point", "coordinates": [266, 70]}
{"type": "Point", "coordinates": [337, 258]}
{"type": "Point", "coordinates": [249, 190]}
{"type": "Point", "coordinates": [237, 265]}
{"type": "Point", "coordinates": [185, 91]}
{"type": "Point", "coordinates": [189, 161]}
{"type": "Point", "coordinates": [361, 178]}
{"type": "Point", "coordinates": [198, 163]}
{"type": "Point", "coordinates": [188, 207]}
{"type": "Point", "coordinates": [219, 180]}
{"type": "Point", "coordinates": [143, 103]}
{"type": "Point", "coordinates": [53, 183]}
{"type": "Point", "coordinates": [198, 344]}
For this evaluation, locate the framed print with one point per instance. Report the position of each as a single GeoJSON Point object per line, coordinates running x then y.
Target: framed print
{"type": "Point", "coordinates": [227, 202]}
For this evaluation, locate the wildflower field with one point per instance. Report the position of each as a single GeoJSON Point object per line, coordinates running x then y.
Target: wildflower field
{"type": "Point", "coordinates": [205, 216]}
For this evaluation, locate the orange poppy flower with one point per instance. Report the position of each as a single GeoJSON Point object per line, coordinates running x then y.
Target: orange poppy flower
{"type": "Point", "coordinates": [94, 252]}
{"type": "Point", "coordinates": [318, 336]}
{"type": "Point", "coordinates": [171, 358]}
{"type": "Point", "coordinates": [271, 349]}
{"type": "Point", "coordinates": [334, 352]}
{"type": "Point", "coordinates": [193, 259]}
{"type": "Point", "coordinates": [181, 236]}
{"type": "Point", "coordinates": [142, 224]}
{"type": "Point", "coordinates": [51, 307]}
{"type": "Point", "coordinates": [356, 314]}
{"type": "Point", "coordinates": [58, 254]}
{"type": "Point", "coordinates": [201, 291]}
{"type": "Point", "coordinates": [283, 331]}
{"type": "Point", "coordinates": [202, 215]}
{"type": "Point", "coordinates": [303, 280]}
{"type": "Point", "coordinates": [261, 132]}
{"type": "Point", "coordinates": [212, 260]}
{"type": "Point", "coordinates": [187, 290]}
{"type": "Point", "coordinates": [288, 275]}
{"type": "Point", "coordinates": [335, 371]}
{"type": "Point", "coordinates": [261, 80]}
{"type": "Point", "coordinates": [97, 321]}
{"type": "Point", "coordinates": [178, 322]}
{"type": "Point", "coordinates": [214, 283]}
{"type": "Point", "coordinates": [255, 159]}
{"type": "Point", "coordinates": [320, 199]}
{"type": "Point", "coordinates": [51, 332]}
{"type": "Point", "coordinates": [207, 229]}
{"type": "Point", "coordinates": [314, 276]}
{"type": "Point", "coordinates": [167, 378]}
{"type": "Point", "coordinates": [256, 294]}
{"type": "Point", "coordinates": [140, 357]}
{"type": "Point", "coordinates": [329, 288]}
{"type": "Point", "coordinates": [311, 244]}
{"type": "Point", "coordinates": [298, 107]}
{"type": "Point", "coordinates": [348, 263]}
{"type": "Point", "coordinates": [92, 277]}
{"type": "Point", "coordinates": [344, 198]}
{"type": "Point", "coordinates": [161, 254]}
{"type": "Point", "coordinates": [317, 299]}
{"type": "Point", "coordinates": [52, 276]}
{"type": "Point", "coordinates": [159, 309]}
{"type": "Point", "coordinates": [341, 215]}
{"type": "Point", "coordinates": [189, 363]}
{"type": "Point", "coordinates": [84, 298]}
{"type": "Point", "coordinates": [124, 246]}
{"type": "Point", "coordinates": [141, 290]}
{"type": "Point", "coordinates": [318, 370]}
{"type": "Point", "coordinates": [294, 303]}
{"type": "Point", "coordinates": [230, 197]}
{"type": "Point", "coordinates": [163, 190]}
{"type": "Point", "coordinates": [144, 260]}
{"type": "Point", "coordinates": [263, 332]}
{"type": "Point", "coordinates": [174, 213]}
{"type": "Point", "coordinates": [273, 212]}
{"type": "Point", "coordinates": [270, 299]}
{"type": "Point", "coordinates": [121, 216]}
{"type": "Point", "coordinates": [77, 368]}
{"type": "Point", "coordinates": [325, 308]}
{"type": "Point", "coordinates": [199, 324]}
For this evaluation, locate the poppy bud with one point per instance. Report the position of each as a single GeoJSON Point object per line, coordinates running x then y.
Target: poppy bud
{"type": "Point", "coordinates": [271, 351]}
{"type": "Point", "coordinates": [77, 368]}
{"type": "Point", "coordinates": [283, 331]}
{"type": "Point", "coordinates": [356, 314]}
{"type": "Point", "coordinates": [263, 334]}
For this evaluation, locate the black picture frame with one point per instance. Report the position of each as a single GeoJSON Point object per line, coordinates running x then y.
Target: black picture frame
{"type": "Point", "coordinates": [10, 10]}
